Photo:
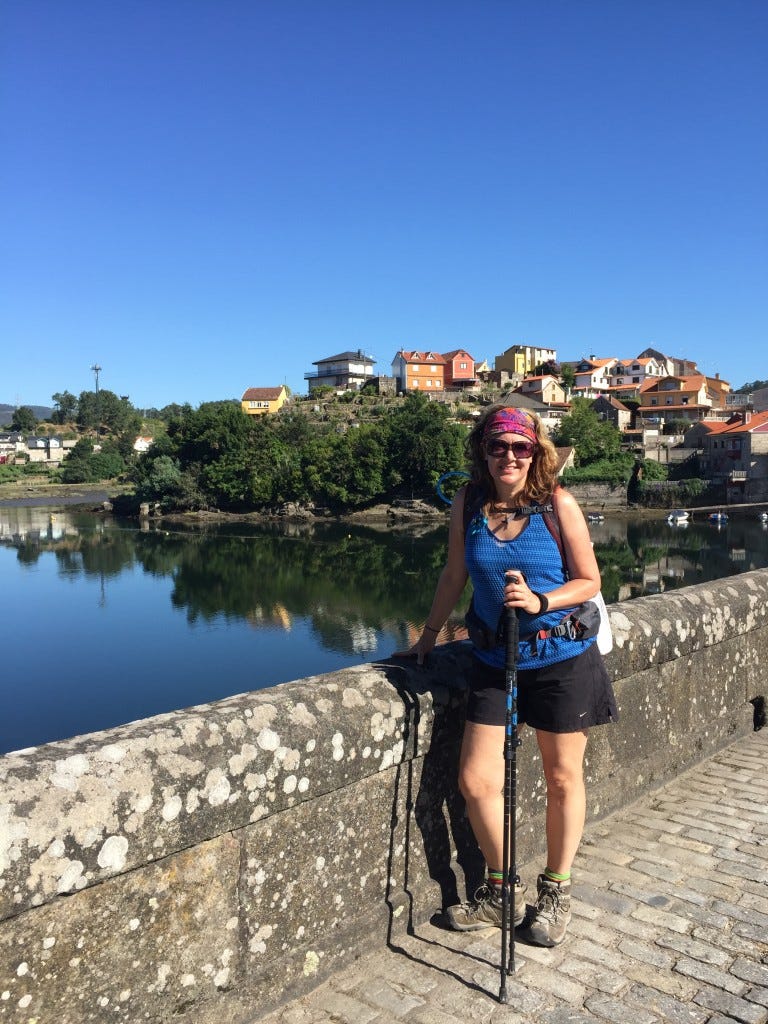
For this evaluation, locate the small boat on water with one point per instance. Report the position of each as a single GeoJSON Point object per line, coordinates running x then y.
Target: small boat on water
{"type": "Point", "coordinates": [763, 517]}
{"type": "Point", "coordinates": [718, 517]}
{"type": "Point", "coordinates": [595, 517]}
{"type": "Point", "coordinates": [677, 516]}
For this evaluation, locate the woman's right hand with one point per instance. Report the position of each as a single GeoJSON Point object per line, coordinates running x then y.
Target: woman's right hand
{"type": "Point", "coordinates": [421, 649]}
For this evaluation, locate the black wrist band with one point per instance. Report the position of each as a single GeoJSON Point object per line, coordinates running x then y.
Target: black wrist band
{"type": "Point", "coordinates": [543, 602]}
{"type": "Point", "coordinates": [431, 629]}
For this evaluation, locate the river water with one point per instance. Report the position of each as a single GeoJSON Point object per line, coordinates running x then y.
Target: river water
{"type": "Point", "coordinates": [105, 621]}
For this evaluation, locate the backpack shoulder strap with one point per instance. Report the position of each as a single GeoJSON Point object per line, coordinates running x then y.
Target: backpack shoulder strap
{"type": "Point", "coordinates": [474, 500]}
{"type": "Point", "coordinates": [553, 525]}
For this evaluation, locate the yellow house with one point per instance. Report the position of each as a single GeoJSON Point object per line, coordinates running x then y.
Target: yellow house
{"type": "Point", "coordinates": [258, 401]}
{"type": "Point", "coordinates": [523, 359]}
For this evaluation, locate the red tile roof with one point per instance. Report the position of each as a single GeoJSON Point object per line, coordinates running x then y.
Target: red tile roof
{"type": "Point", "coordinates": [262, 394]}
{"type": "Point", "coordinates": [757, 419]}
{"type": "Point", "coordinates": [422, 357]}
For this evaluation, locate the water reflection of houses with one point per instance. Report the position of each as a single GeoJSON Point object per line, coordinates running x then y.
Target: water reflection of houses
{"type": "Point", "coordinates": [409, 632]}
{"type": "Point", "coordinates": [273, 615]}
{"type": "Point", "coordinates": [665, 571]}
{"type": "Point", "coordinates": [337, 631]}
{"type": "Point", "coordinates": [38, 525]}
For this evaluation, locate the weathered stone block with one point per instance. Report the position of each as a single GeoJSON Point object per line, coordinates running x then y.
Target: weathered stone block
{"type": "Point", "coordinates": [150, 945]}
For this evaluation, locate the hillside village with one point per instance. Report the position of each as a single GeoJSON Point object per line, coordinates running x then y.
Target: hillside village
{"type": "Point", "coordinates": [664, 407]}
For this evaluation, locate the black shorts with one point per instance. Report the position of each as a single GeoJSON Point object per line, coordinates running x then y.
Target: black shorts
{"type": "Point", "coordinates": [566, 697]}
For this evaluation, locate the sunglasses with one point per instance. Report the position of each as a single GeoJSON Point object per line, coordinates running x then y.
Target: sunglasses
{"type": "Point", "coordinates": [520, 449]}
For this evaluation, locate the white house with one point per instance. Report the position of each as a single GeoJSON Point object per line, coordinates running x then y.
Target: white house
{"type": "Point", "coordinates": [592, 377]}
{"type": "Point", "coordinates": [347, 371]}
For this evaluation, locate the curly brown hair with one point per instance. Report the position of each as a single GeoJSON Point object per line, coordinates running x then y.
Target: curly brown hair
{"type": "Point", "coordinates": [542, 476]}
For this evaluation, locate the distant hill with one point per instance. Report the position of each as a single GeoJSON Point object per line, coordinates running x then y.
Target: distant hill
{"type": "Point", "coordinates": [43, 412]}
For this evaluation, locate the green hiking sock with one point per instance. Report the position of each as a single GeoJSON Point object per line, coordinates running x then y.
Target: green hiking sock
{"type": "Point", "coordinates": [556, 876]}
{"type": "Point", "coordinates": [496, 881]}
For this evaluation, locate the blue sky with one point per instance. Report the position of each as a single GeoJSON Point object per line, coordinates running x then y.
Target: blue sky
{"type": "Point", "coordinates": [206, 195]}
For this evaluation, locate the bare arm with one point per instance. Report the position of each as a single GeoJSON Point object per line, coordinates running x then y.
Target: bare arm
{"type": "Point", "coordinates": [580, 559]}
{"type": "Point", "coordinates": [449, 585]}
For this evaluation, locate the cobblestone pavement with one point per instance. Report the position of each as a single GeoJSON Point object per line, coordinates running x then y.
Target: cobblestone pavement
{"type": "Point", "coordinates": [670, 923]}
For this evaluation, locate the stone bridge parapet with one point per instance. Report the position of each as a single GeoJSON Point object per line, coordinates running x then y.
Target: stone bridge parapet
{"type": "Point", "coordinates": [202, 865]}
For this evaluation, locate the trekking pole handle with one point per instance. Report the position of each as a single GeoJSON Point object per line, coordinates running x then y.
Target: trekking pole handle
{"type": "Point", "coordinates": [512, 636]}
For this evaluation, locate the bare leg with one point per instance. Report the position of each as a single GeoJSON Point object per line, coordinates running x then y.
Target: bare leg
{"type": "Point", "coordinates": [562, 755]}
{"type": "Point", "coordinates": [481, 780]}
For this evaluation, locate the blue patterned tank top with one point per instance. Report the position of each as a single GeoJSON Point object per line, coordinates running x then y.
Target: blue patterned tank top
{"type": "Point", "coordinates": [535, 553]}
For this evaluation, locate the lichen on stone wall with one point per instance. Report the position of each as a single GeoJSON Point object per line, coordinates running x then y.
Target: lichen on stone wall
{"type": "Point", "coordinates": [231, 838]}
{"type": "Point", "coordinates": [78, 812]}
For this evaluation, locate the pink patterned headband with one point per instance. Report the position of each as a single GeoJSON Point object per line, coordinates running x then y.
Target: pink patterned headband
{"type": "Point", "coordinates": [510, 421]}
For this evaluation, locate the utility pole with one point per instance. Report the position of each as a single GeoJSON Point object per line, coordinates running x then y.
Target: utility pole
{"type": "Point", "coordinates": [96, 370]}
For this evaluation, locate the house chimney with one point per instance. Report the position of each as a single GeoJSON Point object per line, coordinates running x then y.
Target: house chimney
{"type": "Point", "coordinates": [746, 416]}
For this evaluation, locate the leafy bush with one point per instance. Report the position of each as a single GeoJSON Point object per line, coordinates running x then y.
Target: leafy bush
{"type": "Point", "coordinates": [653, 470]}
{"type": "Point", "coordinates": [614, 470]}
{"type": "Point", "coordinates": [671, 493]}
{"type": "Point", "coordinates": [36, 469]}
{"type": "Point", "coordinates": [85, 466]}
{"type": "Point", "coordinates": [10, 474]}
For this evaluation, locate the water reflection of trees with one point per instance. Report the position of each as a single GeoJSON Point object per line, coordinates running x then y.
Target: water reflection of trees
{"type": "Point", "coordinates": [328, 577]}
{"type": "Point", "coordinates": [350, 583]}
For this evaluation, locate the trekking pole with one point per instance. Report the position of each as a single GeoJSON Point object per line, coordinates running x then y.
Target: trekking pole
{"type": "Point", "coordinates": [509, 854]}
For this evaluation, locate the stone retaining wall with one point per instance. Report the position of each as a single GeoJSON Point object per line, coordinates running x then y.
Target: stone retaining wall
{"type": "Point", "coordinates": [200, 866]}
{"type": "Point", "coordinates": [593, 495]}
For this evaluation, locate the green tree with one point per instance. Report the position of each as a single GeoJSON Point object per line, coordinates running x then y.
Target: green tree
{"type": "Point", "coordinates": [591, 437]}
{"type": "Point", "coordinates": [345, 470]}
{"type": "Point", "coordinates": [66, 407]}
{"type": "Point", "coordinates": [23, 420]}
{"type": "Point", "coordinates": [84, 465]}
{"type": "Point", "coordinates": [422, 443]}
{"type": "Point", "coordinates": [105, 411]}
{"type": "Point", "coordinates": [567, 376]}
{"type": "Point", "coordinates": [549, 366]}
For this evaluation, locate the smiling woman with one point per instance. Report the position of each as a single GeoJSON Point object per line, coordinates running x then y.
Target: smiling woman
{"type": "Point", "coordinates": [558, 682]}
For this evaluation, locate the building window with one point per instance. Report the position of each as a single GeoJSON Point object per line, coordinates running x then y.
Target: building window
{"type": "Point", "coordinates": [415, 383]}
{"type": "Point", "coordinates": [415, 369]}
{"type": "Point", "coordinates": [462, 366]}
{"type": "Point", "coordinates": [429, 385]}
{"type": "Point", "coordinates": [654, 402]}
{"type": "Point", "coordinates": [635, 380]}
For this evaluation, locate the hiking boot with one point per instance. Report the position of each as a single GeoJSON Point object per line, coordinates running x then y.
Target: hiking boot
{"type": "Point", "coordinates": [484, 911]}
{"type": "Point", "coordinates": [552, 914]}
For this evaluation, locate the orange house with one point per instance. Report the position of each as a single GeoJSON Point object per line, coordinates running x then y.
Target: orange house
{"type": "Point", "coordinates": [419, 371]}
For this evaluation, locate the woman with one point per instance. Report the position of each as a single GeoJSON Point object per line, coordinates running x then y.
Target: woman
{"type": "Point", "coordinates": [563, 688]}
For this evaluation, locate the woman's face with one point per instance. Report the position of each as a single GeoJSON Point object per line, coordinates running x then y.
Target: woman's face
{"type": "Point", "coordinates": [509, 458]}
